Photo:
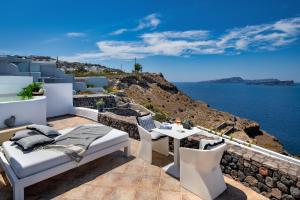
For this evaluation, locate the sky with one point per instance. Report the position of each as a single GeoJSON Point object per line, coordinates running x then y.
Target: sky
{"type": "Point", "coordinates": [188, 40]}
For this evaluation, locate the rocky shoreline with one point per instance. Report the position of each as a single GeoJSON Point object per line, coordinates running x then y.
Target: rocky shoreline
{"type": "Point", "coordinates": [168, 102]}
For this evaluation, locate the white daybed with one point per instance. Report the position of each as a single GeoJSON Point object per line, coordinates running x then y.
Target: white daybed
{"type": "Point", "coordinates": [25, 169]}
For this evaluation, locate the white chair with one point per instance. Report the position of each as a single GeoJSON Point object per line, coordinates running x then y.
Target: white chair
{"type": "Point", "coordinates": [152, 141]}
{"type": "Point", "coordinates": [200, 171]}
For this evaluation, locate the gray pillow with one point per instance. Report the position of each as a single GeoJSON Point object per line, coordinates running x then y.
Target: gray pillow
{"type": "Point", "coordinates": [146, 122]}
{"type": "Point", "coordinates": [28, 143]}
{"type": "Point", "coordinates": [23, 133]}
{"type": "Point", "coordinates": [45, 130]}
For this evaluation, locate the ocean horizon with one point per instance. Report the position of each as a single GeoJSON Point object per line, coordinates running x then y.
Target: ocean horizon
{"type": "Point", "coordinates": [275, 108]}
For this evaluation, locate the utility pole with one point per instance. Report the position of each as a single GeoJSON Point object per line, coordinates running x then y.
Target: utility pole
{"type": "Point", "coordinates": [56, 61]}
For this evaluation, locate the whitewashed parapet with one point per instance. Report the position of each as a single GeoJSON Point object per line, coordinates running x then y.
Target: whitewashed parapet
{"type": "Point", "coordinates": [86, 113]}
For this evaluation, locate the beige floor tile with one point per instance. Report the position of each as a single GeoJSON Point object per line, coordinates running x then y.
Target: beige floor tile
{"type": "Point", "coordinates": [189, 196]}
{"type": "Point", "coordinates": [169, 195]}
{"type": "Point", "coordinates": [120, 193]}
{"type": "Point", "coordinates": [146, 194]}
{"type": "Point", "coordinates": [97, 192]}
{"type": "Point", "coordinates": [169, 183]}
{"type": "Point", "coordinates": [137, 162]}
{"type": "Point", "coordinates": [151, 170]}
{"type": "Point", "coordinates": [149, 182]}
{"type": "Point", "coordinates": [104, 180]}
{"type": "Point", "coordinates": [134, 170]}
{"type": "Point", "coordinates": [124, 180]}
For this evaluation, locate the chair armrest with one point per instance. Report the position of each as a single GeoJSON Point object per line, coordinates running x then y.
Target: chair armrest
{"type": "Point", "coordinates": [144, 134]}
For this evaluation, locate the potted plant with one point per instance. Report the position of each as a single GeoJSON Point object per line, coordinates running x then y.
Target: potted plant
{"type": "Point", "coordinates": [100, 105]}
{"type": "Point", "coordinates": [187, 124]}
{"type": "Point", "coordinates": [37, 89]}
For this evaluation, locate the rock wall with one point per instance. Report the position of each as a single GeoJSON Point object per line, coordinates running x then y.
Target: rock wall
{"type": "Point", "coordinates": [273, 178]}
{"type": "Point", "coordinates": [127, 124]}
{"type": "Point", "coordinates": [89, 101]}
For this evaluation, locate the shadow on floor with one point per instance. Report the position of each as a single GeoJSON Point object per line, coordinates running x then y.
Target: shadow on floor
{"type": "Point", "coordinates": [160, 160]}
{"type": "Point", "coordinates": [232, 193]}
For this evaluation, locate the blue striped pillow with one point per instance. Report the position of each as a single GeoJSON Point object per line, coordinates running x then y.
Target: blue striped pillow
{"type": "Point", "coordinates": [146, 122]}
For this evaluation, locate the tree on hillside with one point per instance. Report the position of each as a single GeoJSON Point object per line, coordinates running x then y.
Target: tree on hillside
{"type": "Point", "coordinates": [137, 68]}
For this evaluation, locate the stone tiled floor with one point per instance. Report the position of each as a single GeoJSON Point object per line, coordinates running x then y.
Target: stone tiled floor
{"type": "Point", "coordinates": [117, 177]}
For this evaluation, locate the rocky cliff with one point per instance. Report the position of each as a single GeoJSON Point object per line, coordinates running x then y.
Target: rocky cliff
{"type": "Point", "coordinates": [164, 98]}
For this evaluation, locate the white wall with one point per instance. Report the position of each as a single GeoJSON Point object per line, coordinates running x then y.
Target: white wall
{"type": "Point", "coordinates": [59, 99]}
{"type": "Point", "coordinates": [26, 111]}
{"type": "Point", "coordinates": [87, 113]}
{"type": "Point", "coordinates": [13, 84]}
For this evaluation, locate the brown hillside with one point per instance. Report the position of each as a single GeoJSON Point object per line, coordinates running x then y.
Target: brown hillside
{"type": "Point", "coordinates": [163, 97]}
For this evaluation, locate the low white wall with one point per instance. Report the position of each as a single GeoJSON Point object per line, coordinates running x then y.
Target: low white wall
{"type": "Point", "coordinates": [87, 113]}
{"type": "Point", "coordinates": [26, 111]}
{"type": "Point", "coordinates": [13, 84]}
{"type": "Point", "coordinates": [59, 98]}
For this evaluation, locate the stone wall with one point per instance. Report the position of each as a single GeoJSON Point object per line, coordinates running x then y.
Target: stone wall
{"type": "Point", "coordinates": [127, 124]}
{"type": "Point", "coordinates": [274, 178]}
{"type": "Point", "coordinates": [89, 101]}
{"type": "Point", "coordinates": [271, 177]}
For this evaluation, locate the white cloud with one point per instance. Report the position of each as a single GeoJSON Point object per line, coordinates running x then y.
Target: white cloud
{"type": "Point", "coordinates": [192, 34]}
{"type": "Point", "coordinates": [75, 34]}
{"type": "Point", "coordinates": [150, 21]}
{"type": "Point", "coordinates": [264, 37]}
{"type": "Point", "coordinates": [119, 31]}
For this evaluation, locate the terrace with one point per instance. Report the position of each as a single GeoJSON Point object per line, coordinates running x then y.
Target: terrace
{"type": "Point", "coordinates": [117, 177]}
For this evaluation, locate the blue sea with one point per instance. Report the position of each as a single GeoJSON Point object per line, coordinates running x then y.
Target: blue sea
{"type": "Point", "coordinates": [275, 108]}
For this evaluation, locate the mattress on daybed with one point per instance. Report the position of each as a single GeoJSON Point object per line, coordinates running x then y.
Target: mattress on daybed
{"type": "Point", "coordinates": [26, 164]}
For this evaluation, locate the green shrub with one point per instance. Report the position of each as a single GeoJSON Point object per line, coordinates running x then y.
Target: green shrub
{"type": "Point", "coordinates": [36, 86]}
{"type": "Point", "coordinates": [137, 68]}
{"type": "Point", "coordinates": [160, 115]}
{"type": "Point", "coordinates": [100, 103]}
{"type": "Point", "coordinates": [110, 89]}
{"type": "Point", "coordinates": [26, 93]}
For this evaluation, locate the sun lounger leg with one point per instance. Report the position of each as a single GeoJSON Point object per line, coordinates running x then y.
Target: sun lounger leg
{"type": "Point", "coordinates": [127, 151]}
{"type": "Point", "coordinates": [18, 192]}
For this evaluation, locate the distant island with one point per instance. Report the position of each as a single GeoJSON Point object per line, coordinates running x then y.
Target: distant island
{"type": "Point", "coordinates": [252, 82]}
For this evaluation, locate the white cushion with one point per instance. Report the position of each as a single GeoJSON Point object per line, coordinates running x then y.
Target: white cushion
{"type": "Point", "coordinates": [26, 164]}
{"type": "Point", "coordinates": [156, 135]}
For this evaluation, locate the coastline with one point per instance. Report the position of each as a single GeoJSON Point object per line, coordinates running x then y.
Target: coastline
{"type": "Point", "coordinates": [275, 108]}
{"type": "Point", "coordinates": [164, 98]}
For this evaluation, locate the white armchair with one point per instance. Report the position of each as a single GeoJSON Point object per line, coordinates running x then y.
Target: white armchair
{"type": "Point", "coordinates": [152, 141]}
{"type": "Point", "coordinates": [200, 171]}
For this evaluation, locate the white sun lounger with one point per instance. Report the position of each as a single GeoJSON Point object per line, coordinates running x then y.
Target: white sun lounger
{"type": "Point", "coordinates": [25, 169]}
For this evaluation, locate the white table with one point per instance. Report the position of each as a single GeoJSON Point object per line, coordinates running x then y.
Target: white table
{"type": "Point", "coordinates": [177, 133]}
